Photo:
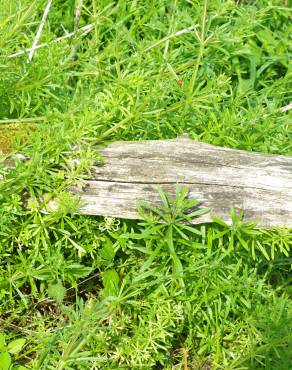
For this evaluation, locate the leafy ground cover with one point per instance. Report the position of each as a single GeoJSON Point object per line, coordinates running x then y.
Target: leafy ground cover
{"type": "Point", "coordinates": [82, 292]}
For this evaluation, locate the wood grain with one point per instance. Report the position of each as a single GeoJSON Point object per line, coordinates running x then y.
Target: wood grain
{"type": "Point", "coordinates": [258, 184]}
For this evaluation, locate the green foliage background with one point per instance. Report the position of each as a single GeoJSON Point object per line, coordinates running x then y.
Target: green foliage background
{"type": "Point", "coordinates": [101, 293]}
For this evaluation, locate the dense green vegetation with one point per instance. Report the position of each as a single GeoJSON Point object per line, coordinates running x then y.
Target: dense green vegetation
{"type": "Point", "coordinates": [81, 292]}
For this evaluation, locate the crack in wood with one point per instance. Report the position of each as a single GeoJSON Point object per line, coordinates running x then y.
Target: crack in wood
{"type": "Point", "coordinates": [184, 183]}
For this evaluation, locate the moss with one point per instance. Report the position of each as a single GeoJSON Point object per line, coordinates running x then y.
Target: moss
{"type": "Point", "coordinates": [12, 134]}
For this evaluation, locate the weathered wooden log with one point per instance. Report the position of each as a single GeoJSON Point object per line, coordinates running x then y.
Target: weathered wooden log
{"type": "Point", "coordinates": [260, 185]}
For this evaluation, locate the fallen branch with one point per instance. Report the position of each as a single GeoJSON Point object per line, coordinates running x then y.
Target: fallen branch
{"type": "Point", "coordinates": [258, 184]}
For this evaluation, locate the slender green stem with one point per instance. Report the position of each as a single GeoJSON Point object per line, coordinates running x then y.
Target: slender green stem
{"type": "Point", "coordinates": [202, 46]}
{"type": "Point", "coordinates": [115, 127]}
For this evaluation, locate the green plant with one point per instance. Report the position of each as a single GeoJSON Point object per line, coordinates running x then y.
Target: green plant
{"type": "Point", "coordinates": [244, 234]}
{"type": "Point", "coordinates": [101, 293]}
{"type": "Point", "coordinates": [169, 222]}
{"type": "Point", "coordinates": [7, 350]}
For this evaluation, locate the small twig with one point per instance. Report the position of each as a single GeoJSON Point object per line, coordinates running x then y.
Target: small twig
{"type": "Point", "coordinates": [41, 26]}
{"type": "Point", "coordinates": [21, 120]}
{"type": "Point", "coordinates": [74, 43]}
{"type": "Point", "coordinates": [202, 46]}
{"type": "Point", "coordinates": [171, 27]}
{"type": "Point", "coordinates": [166, 38]}
{"type": "Point", "coordinates": [286, 108]}
{"type": "Point", "coordinates": [78, 14]}
{"type": "Point", "coordinates": [86, 29]}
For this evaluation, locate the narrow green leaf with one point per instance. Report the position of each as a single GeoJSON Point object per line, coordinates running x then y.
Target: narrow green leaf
{"type": "Point", "coordinates": [192, 229]}
{"type": "Point", "coordinates": [220, 222]}
{"type": "Point", "coordinates": [262, 249]}
{"type": "Point", "coordinates": [199, 212]}
{"type": "Point", "coordinates": [80, 249]}
{"type": "Point", "coordinates": [164, 197]}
